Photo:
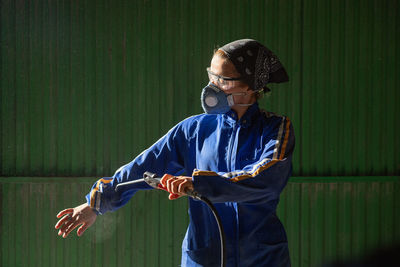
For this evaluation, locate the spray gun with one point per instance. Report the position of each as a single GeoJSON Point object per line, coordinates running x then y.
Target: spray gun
{"type": "Point", "coordinates": [155, 182]}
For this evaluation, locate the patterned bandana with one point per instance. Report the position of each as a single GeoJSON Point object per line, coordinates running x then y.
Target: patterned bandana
{"type": "Point", "coordinates": [256, 64]}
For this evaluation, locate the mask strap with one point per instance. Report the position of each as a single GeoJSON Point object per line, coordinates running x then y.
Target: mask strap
{"type": "Point", "coordinates": [242, 94]}
{"type": "Point", "coordinates": [245, 93]}
{"type": "Point", "coordinates": [243, 105]}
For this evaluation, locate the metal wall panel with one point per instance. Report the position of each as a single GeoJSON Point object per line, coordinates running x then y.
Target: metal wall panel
{"type": "Point", "coordinates": [147, 232]}
{"type": "Point", "coordinates": [331, 218]}
{"type": "Point", "coordinates": [350, 77]}
{"type": "Point", "coordinates": [87, 85]}
{"type": "Point", "coordinates": [325, 218]}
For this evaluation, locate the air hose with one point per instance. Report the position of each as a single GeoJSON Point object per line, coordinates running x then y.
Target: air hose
{"type": "Point", "coordinates": [154, 181]}
{"type": "Point", "coordinates": [220, 228]}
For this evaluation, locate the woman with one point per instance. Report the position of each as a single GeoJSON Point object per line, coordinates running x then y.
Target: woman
{"type": "Point", "coordinates": [238, 156]}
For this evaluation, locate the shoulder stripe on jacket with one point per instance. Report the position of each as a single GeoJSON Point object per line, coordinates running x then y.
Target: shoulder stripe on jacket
{"type": "Point", "coordinates": [278, 139]}
{"type": "Point", "coordinates": [283, 150]}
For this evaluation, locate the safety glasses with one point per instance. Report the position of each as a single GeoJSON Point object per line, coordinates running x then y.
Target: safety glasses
{"type": "Point", "coordinates": [224, 83]}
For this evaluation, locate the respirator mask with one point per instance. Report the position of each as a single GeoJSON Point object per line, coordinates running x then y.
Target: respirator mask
{"type": "Point", "coordinates": [215, 101]}
{"type": "Point", "coordinates": [213, 98]}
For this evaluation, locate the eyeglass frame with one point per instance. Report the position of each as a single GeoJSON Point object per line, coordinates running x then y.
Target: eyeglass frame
{"type": "Point", "coordinates": [223, 77]}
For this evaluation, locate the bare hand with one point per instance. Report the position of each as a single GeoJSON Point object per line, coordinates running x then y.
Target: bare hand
{"type": "Point", "coordinates": [177, 185]}
{"type": "Point", "coordinates": [80, 215]}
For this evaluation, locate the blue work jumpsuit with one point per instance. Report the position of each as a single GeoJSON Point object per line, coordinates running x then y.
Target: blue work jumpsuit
{"type": "Point", "coordinates": [240, 165]}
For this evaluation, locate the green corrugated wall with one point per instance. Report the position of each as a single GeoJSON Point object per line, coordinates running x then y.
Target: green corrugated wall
{"type": "Point", "coordinates": [85, 86]}
{"type": "Point", "coordinates": [325, 219]}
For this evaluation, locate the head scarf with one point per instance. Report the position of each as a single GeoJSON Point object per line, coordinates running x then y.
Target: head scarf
{"type": "Point", "coordinates": [256, 64]}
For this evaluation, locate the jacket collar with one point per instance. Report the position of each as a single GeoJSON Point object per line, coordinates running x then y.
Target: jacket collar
{"type": "Point", "coordinates": [248, 117]}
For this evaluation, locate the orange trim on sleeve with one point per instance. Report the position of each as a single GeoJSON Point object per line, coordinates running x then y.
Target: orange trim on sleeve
{"type": "Point", "coordinates": [93, 194]}
{"type": "Point", "coordinates": [204, 173]}
{"type": "Point", "coordinates": [96, 189]}
{"type": "Point", "coordinates": [261, 168]}
{"type": "Point", "coordinates": [106, 181]}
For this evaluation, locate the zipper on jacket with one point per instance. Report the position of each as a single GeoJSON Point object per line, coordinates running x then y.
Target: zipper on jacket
{"type": "Point", "coordinates": [232, 163]}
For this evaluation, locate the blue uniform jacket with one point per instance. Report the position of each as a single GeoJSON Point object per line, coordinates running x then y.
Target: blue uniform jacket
{"type": "Point", "coordinates": [241, 166]}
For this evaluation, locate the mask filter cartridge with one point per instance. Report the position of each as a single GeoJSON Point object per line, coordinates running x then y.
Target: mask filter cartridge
{"type": "Point", "coordinates": [215, 101]}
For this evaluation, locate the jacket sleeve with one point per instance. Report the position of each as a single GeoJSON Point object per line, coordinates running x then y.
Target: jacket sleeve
{"type": "Point", "coordinates": [164, 156]}
{"type": "Point", "coordinates": [262, 180]}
